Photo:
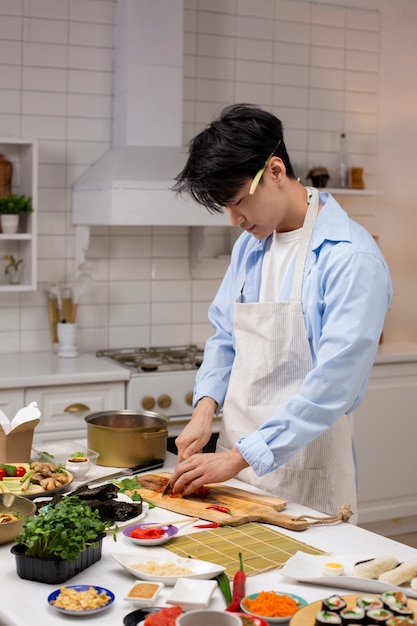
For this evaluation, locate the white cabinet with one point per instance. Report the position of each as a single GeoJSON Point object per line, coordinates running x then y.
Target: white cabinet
{"type": "Point", "coordinates": [11, 401]}
{"type": "Point", "coordinates": [385, 435]}
{"type": "Point", "coordinates": [63, 408]}
{"type": "Point", "coordinates": [23, 154]}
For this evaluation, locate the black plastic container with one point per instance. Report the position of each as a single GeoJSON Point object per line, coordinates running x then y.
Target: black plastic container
{"type": "Point", "coordinates": [54, 571]}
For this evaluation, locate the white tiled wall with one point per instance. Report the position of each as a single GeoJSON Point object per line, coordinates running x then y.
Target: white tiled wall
{"type": "Point", "coordinates": [314, 64]}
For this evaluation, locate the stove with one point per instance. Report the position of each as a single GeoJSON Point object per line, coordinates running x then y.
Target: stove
{"type": "Point", "coordinates": [162, 380]}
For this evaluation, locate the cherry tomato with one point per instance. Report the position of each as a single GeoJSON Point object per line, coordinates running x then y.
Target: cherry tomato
{"type": "Point", "coordinates": [3, 473]}
{"type": "Point", "coordinates": [20, 471]}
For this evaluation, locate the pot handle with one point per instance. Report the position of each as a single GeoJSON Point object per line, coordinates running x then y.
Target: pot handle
{"type": "Point", "coordinates": [154, 434]}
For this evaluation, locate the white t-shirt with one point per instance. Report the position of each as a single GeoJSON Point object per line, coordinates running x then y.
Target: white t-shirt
{"type": "Point", "coordinates": [280, 252]}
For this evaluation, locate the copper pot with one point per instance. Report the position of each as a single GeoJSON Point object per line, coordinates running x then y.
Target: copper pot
{"type": "Point", "coordinates": [127, 438]}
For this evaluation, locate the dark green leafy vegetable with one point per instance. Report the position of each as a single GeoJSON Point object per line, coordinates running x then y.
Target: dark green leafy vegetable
{"type": "Point", "coordinates": [61, 531]}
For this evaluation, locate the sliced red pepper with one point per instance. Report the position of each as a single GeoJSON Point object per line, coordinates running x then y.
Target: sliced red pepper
{"type": "Point", "coordinates": [221, 509]}
{"type": "Point", "coordinates": [211, 525]}
{"type": "Point", "coordinates": [239, 588]}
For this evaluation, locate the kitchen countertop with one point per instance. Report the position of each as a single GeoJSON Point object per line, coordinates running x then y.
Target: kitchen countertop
{"type": "Point", "coordinates": [40, 369]}
{"type": "Point", "coordinates": [24, 601]}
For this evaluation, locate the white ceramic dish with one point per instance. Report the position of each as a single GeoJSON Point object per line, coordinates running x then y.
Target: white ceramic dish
{"type": "Point", "coordinates": [189, 592]}
{"type": "Point", "coordinates": [274, 620]}
{"type": "Point", "coordinates": [140, 601]}
{"type": "Point", "coordinates": [121, 497]}
{"type": "Point", "coordinates": [53, 596]}
{"type": "Point", "coordinates": [169, 532]}
{"type": "Point", "coordinates": [202, 570]}
{"type": "Point", "coordinates": [309, 568]}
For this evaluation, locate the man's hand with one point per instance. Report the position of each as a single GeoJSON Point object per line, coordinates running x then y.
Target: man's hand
{"type": "Point", "coordinates": [201, 469]}
{"type": "Point", "coordinates": [198, 430]}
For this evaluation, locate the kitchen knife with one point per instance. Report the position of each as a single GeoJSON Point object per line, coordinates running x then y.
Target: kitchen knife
{"type": "Point", "coordinates": [128, 471]}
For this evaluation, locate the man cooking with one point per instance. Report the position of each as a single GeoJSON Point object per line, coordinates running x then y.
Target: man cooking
{"type": "Point", "coordinates": [297, 322]}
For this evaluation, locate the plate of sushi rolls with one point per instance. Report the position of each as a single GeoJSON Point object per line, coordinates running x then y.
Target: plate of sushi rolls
{"type": "Point", "coordinates": [359, 573]}
{"type": "Point", "coordinates": [391, 608]}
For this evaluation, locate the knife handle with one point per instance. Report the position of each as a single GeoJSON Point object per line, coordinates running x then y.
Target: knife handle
{"type": "Point", "coordinates": [144, 467]}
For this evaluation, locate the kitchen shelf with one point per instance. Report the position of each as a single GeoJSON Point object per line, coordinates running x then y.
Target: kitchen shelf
{"type": "Point", "coordinates": [23, 245]}
{"type": "Point", "coordinates": [339, 191]}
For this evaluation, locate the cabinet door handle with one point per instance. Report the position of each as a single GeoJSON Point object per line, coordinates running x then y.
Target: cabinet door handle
{"type": "Point", "coordinates": [77, 407]}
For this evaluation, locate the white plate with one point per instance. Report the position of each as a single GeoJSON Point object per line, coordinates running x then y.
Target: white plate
{"type": "Point", "coordinates": [121, 497]}
{"type": "Point", "coordinates": [308, 568]}
{"type": "Point", "coordinates": [190, 592]}
{"type": "Point", "coordinates": [202, 570]}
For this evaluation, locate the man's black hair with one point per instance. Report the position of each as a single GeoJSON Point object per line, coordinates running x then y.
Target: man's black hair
{"type": "Point", "coordinates": [228, 152]}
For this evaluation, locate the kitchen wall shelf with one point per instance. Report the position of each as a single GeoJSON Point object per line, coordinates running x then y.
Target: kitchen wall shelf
{"type": "Point", "coordinates": [23, 245]}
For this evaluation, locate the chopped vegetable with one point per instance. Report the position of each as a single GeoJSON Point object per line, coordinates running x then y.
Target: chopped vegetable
{"type": "Point", "coordinates": [221, 509]}
{"type": "Point", "coordinates": [147, 533]}
{"type": "Point", "coordinates": [10, 469]}
{"type": "Point", "coordinates": [239, 588]}
{"type": "Point", "coordinates": [272, 604]}
{"type": "Point", "coordinates": [209, 525]}
{"type": "Point", "coordinates": [26, 481]}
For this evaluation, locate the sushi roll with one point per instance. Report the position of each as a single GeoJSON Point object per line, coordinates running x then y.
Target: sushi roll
{"type": "Point", "coordinates": [327, 617]}
{"type": "Point", "coordinates": [394, 599]}
{"type": "Point", "coordinates": [369, 602]}
{"type": "Point", "coordinates": [333, 603]}
{"type": "Point", "coordinates": [400, 621]}
{"type": "Point", "coordinates": [378, 616]}
{"type": "Point", "coordinates": [401, 574]}
{"type": "Point", "coordinates": [355, 615]}
{"type": "Point", "coordinates": [373, 568]}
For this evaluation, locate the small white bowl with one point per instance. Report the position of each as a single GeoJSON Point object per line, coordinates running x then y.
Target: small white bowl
{"type": "Point", "coordinates": [143, 594]}
{"type": "Point", "coordinates": [78, 466]}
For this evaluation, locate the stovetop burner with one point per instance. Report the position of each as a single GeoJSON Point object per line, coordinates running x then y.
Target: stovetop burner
{"type": "Point", "coordinates": [156, 359]}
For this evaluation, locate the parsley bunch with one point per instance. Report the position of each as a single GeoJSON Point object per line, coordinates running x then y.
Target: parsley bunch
{"type": "Point", "coordinates": [61, 531]}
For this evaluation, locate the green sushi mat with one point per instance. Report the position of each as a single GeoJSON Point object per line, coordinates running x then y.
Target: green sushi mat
{"type": "Point", "coordinates": [262, 547]}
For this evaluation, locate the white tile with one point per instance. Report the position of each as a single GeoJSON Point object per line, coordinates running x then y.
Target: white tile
{"type": "Point", "coordinates": [88, 129]}
{"type": "Point", "coordinates": [171, 313]}
{"type": "Point", "coordinates": [298, 53]}
{"type": "Point", "coordinates": [257, 28]}
{"type": "Point", "coordinates": [92, 11]}
{"type": "Point", "coordinates": [51, 223]}
{"type": "Point", "coordinates": [215, 45]}
{"type": "Point", "coordinates": [85, 152]}
{"type": "Point", "coordinates": [199, 312]}
{"type": "Point", "coordinates": [327, 57]}
{"type": "Point", "coordinates": [11, 8]}
{"type": "Point", "coordinates": [83, 105]}
{"type": "Point", "coordinates": [328, 15]}
{"type": "Point", "coordinates": [10, 77]}
{"type": "Point", "coordinates": [9, 101]}
{"type": "Point", "coordinates": [216, 23]}
{"type": "Point", "coordinates": [214, 90]}
{"type": "Point", "coordinates": [204, 290]}
{"type": "Point", "coordinates": [327, 99]}
{"type": "Point", "coordinates": [217, 6]}
{"type": "Point", "coordinates": [45, 54]}
{"type": "Point", "coordinates": [293, 11]}
{"type": "Point", "coordinates": [53, 9]}
{"type": "Point", "coordinates": [362, 40]}
{"type": "Point", "coordinates": [254, 49]}
{"type": "Point", "coordinates": [88, 34]}
{"type": "Point", "coordinates": [200, 333]}
{"type": "Point", "coordinates": [12, 51]}
{"type": "Point", "coordinates": [367, 20]}
{"type": "Point", "coordinates": [362, 102]}
{"type": "Point", "coordinates": [171, 291]}
{"type": "Point", "coordinates": [297, 75]}
{"type": "Point", "coordinates": [130, 314]}
{"type": "Point", "coordinates": [293, 32]}
{"type": "Point", "coordinates": [328, 36]}
{"type": "Point", "coordinates": [43, 79]}
{"type": "Point", "coordinates": [215, 68]}
{"type": "Point", "coordinates": [8, 320]}
{"type": "Point", "coordinates": [290, 96]}
{"type": "Point", "coordinates": [37, 103]}
{"type": "Point", "coordinates": [332, 120]}
{"type": "Point", "coordinates": [45, 31]}
{"type": "Point", "coordinates": [260, 8]}
{"type": "Point", "coordinates": [51, 175]}
{"type": "Point", "coordinates": [50, 247]}
{"type": "Point", "coordinates": [254, 71]}
{"type": "Point", "coordinates": [11, 27]}
{"type": "Point", "coordinates": [47, 127]}
{"type": "Point", "coordinates": [90, 82]}
{"type": "Point", "coordinates": [51, 200]}
{"type": "Point", "coordinates": [129, 336]}
{"type": "Point", "coordinates": [171, 246]}
{"type": "Point", "coordinates": [34, 318]}
{"type": "Point", "coordinates": [361, 81]}
{"type": "Point", "coordinates": [258, 93]}
{"type": "Point", "coordinates": [129, 247]}
{"type": "Point", "coordinates": [89, 58]}
{"type": "Point", "coordinates": [130, 291]}
{"type": "Point", "coordinates": [327, 78]}
{"type": "Point", "coordinates": [362, 61]}
{"type": "Point", "coordinates": [167, 269]}
{"type": "Point", "coordinates": [9, 342]}
{"type": "Point", "coordinates": [172, 334]}
{"type": "Point", "coordinates": [138, 269]}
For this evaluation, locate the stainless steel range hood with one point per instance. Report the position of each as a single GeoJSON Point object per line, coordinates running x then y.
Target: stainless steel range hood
{"type": "Point", "coordinates": [131, 184]}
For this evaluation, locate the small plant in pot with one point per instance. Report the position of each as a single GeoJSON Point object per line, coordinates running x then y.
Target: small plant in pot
{"type": "Point", "coordinates": [13, 209]}
{"type": "Point", "coordinates": [59, 542]}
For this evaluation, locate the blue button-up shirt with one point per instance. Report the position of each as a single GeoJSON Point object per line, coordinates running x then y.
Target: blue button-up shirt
{"type": "Point", "coordinates": [346, 294]}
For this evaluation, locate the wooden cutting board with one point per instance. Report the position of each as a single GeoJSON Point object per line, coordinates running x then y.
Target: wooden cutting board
{"type": "Point", "coordinates": [244, 505]}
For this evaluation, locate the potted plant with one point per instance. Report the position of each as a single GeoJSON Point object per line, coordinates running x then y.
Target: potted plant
{"type": "Point", "coordinates": [12, 207]}
{"type": "Point", "coordinates": [59, 542]}
{"type": "Point", "coordinates": [12, 269]}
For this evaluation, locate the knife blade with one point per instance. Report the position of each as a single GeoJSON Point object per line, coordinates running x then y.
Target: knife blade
{"type": "Point", "coordinates": [128, 471]}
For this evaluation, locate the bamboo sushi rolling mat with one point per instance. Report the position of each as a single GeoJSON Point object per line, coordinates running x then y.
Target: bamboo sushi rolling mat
{"type": "Point", "coordinates": [262, 547]}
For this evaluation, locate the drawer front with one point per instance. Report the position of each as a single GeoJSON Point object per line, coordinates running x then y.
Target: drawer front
{"type": "Point", "coordinates": [64, 408]}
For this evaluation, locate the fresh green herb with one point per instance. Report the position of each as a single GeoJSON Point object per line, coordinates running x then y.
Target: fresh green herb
{"type": "Point", "coordinates": [10, 469]}
{"type": "Point", "coordinates": [45, 457]}
{"type": "Point", "coordinates": [61, 531]}
{"type": "Point", "coordinates": [78, 455]}
{"type": "Point", "coordinates": [133, 486]}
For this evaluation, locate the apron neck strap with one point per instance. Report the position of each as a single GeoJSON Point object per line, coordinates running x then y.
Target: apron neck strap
{"type": "Point", "coordinates": [310, 218]}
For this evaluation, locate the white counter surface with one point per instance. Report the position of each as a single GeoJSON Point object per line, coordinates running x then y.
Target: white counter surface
{"type": "Point", "coordinates": [24, 602]}
{"type": "Point", "coordinates": [40, 369]}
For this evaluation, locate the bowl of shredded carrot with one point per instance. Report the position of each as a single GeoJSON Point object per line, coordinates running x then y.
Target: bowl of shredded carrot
{"type": "Point", "coordinates": [274, 607]}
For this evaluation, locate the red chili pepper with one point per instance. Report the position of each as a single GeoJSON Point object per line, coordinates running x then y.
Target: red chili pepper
{"type": "Point", "coordinates": [222, 509]}
{"type": "Point", "coordinates": [211, 525]}
{"type": "Point", "coordinates": [239, 589]}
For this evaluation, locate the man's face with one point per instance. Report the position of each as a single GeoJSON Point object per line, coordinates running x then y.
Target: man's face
{"type": "Point", "coordinates": [268, 209]}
